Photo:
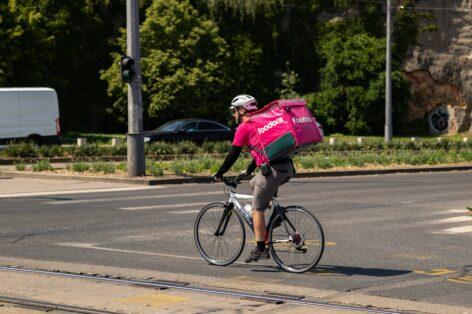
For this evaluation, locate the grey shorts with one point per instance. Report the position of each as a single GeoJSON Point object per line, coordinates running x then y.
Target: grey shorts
{"type": "Point", "coordinates": [264, 187]}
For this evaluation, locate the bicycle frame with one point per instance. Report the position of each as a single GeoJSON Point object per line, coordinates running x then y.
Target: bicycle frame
{"type": "Point", "coordinates": [234, 201]}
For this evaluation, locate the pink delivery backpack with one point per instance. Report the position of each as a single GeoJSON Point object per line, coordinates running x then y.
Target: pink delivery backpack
{"type": "Point", "coordinates": [284, 128]}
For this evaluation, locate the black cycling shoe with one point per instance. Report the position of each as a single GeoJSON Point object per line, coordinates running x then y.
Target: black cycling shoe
{"type": "Point", "coordinates": [257, 255]}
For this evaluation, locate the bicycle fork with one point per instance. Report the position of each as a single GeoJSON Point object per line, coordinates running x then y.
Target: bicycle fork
{"type": "Point", "coordinates": [224, 219]}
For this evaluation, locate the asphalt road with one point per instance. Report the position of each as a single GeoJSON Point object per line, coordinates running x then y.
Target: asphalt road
{"type": "Point", "coordinates": [402, 236]}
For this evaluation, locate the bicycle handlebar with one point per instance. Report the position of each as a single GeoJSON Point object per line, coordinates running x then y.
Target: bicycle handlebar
{"type": "Point", "coordinates": [231, 182]}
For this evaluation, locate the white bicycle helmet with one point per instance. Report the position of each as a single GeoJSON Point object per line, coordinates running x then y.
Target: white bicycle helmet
{"type": "Point", "coordinates": [246, 101]}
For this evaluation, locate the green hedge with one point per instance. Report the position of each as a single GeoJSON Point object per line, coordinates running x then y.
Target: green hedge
{"type": "Point", "coordinates": [316, 161]}
{"type": "Point", "coordinates": [28, 150]}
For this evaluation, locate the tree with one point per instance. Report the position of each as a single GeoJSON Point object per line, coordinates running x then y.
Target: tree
{"type": "Point", "coordinates": [63, 45]}
{"type": "Point", "coordinates": [289, 81]}
{"type": "Point", "coordinates": [183, 63]}
{"type": "Point", "coordinates": [23, 42]}
{"type": "Point", "coordinates": [352, 90]}
{"type": "Point", "coordinates": [265, 34]}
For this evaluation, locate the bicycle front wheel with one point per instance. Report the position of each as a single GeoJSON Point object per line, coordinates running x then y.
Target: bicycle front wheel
{"type": "Point", "coordinates": [219, 234]}
{"type": "Point", "coordinates": [297, 243]}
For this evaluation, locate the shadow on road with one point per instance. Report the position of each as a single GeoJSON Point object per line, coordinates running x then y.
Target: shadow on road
{"type": "Point", "coordinates": [357, 271]}
{"type": "Point", "coordinates": [332, 270]}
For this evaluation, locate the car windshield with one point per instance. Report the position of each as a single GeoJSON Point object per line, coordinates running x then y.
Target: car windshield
{"type": "Point", "coordinates": [170, 126]}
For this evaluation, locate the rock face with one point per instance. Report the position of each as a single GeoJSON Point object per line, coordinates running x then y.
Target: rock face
{"type": "Point", "coordinates": [440, 69]}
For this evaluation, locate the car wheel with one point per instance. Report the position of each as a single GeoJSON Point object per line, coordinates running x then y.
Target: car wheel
{"type": "Point", "coordinates": [36, 139]}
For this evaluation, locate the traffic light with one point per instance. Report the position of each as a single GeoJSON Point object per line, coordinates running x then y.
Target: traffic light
{"type": "Point", "coordinates": [127, 69]}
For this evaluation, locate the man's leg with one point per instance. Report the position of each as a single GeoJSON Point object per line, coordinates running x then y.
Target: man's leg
{"type": "Point", "coordinates": [259, 204]}
{"type": "Point", "coordinates": [260, 251]}
{"type": "Point", "coordinates": [259, 224]}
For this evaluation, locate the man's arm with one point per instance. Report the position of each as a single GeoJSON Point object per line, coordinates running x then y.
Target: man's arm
{"type": "Point", "coordinates": [251, 167]}
{"type": "Point", "coordinates": [229, 161]}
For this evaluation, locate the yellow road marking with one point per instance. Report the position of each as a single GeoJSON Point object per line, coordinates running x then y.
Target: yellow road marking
{"type": "Point", "coordinates": [154, 300]}
{"type": "Point", "coordinates": [412, 256]}
{"type": "Point", "coordinates": [465, 279]}
{"type": "Point", "coordinates": [435, 272]}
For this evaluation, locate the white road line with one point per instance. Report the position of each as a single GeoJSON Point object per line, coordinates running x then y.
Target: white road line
{"type": "Point", "coordinates": [98, 190]}
{"type": "Point", "coordinates": [170, 206]}
{"type": "Point", "coordinates": [448, 212]}
{"type": "Point", "coordinates": [457, 230]}
{"type": "Point", "coordinates": [185, 212]}
{"type": "Point", "coordinates": [454, 219]}
{"type": "Point", "coordinates": [93, 247]}
{"type": "Point", "coordinates": [463, 211]}
{"type": "Point", "coordinates": [130, 198]}
{"type": "Point", "coordinates": [443, 221]}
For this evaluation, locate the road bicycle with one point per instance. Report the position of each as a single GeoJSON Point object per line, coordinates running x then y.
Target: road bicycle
{"type": "Point", "coordinates": [294, 235]}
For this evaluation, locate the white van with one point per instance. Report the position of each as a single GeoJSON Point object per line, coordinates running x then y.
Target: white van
{"type": "Point", "coordinates": [29, 113]}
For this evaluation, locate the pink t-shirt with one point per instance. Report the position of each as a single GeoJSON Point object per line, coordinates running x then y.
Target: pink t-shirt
{"type": "Point", "coordinates": [246, 136]}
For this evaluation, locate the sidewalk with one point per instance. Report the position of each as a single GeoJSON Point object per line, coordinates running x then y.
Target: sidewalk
{"type": "Point", "coordinates": [120, 298]}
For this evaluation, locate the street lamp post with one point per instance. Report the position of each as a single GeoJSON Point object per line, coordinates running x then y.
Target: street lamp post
{"type": "Point", "coordinates": [135, 139]}
{"type": "Point", "coordinates": [388, 79]}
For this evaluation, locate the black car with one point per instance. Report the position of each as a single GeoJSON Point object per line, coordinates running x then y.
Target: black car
{"type": "Point", "coordinates": [196, 130]}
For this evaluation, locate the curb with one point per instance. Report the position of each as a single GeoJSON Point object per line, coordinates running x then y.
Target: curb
{"type": "Point", "coordinates": [205, 179]}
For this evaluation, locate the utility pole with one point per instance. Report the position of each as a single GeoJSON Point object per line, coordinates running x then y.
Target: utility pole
{"type": "Point", "coordinates": [135, 139]}
{"type": "Point", "coordinates": [388, 79]}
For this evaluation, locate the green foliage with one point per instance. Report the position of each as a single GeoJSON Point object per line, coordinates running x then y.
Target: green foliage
{"type": "Point", "coordinates": [177, 167]}
{"type": "Point", "coordinates": [50, 151]}
{"type": "Point", "coordinates": [122, 166]}
{"type": "Point", "coordinates": [328, 160]}
{"type": "Point", "coordinates": [197, 54]}
{"type": "Point", "coordinates": [21, 150]}
{"type": "Point", "coordinates": [42, 165]}
{"type": "Point", "coordinates": [352, 92]}
{"type": "Point", "coordinates": [20, 167]}
{"type": "Point", "coordinates": [185, 148]}
{"type": "Point", "coordinates": [155, 169]}
{"type": "Point", "coordinates": [48, 43]}
{"type": "Point", "coordinates": [88, 150]}
{"type": "Point", "coordinates": [80, 167]}
{"type": "Point", "coordinates": [105, 167]}
{"type": "Point", "coordinates": [263, 36]}
{"type": "Point", "coordinates": [159, 148]}
{"type": "Point", "coordinates": [243, 7]}
{"type": "Point", "coordinates": [222, 147]}
{"type": "Point", "coordinates": [183, 60]}
{"type": "Point", "coordinates": [289, 81]}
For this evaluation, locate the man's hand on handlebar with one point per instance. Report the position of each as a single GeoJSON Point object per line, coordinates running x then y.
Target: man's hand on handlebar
{"type": "Point", "coordinates": [217, 178]}
{"type": "Point", "coordinates": [243, 175]}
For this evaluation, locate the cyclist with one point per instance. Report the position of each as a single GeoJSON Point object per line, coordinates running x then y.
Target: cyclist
{"type": "Point", "coordinates": [266, 182]}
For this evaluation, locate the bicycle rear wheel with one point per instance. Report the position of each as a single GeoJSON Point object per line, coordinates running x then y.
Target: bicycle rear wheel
{"type": "Point", "coordinates": [298, 243]}
{"type": "Point", "coordinates": [220, 246]}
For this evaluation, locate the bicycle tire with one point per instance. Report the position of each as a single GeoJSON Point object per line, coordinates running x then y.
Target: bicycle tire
{"type": "Point", "coordinates": [319, 254]}
{"type": "Point", "coordinates": [197, 236]}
